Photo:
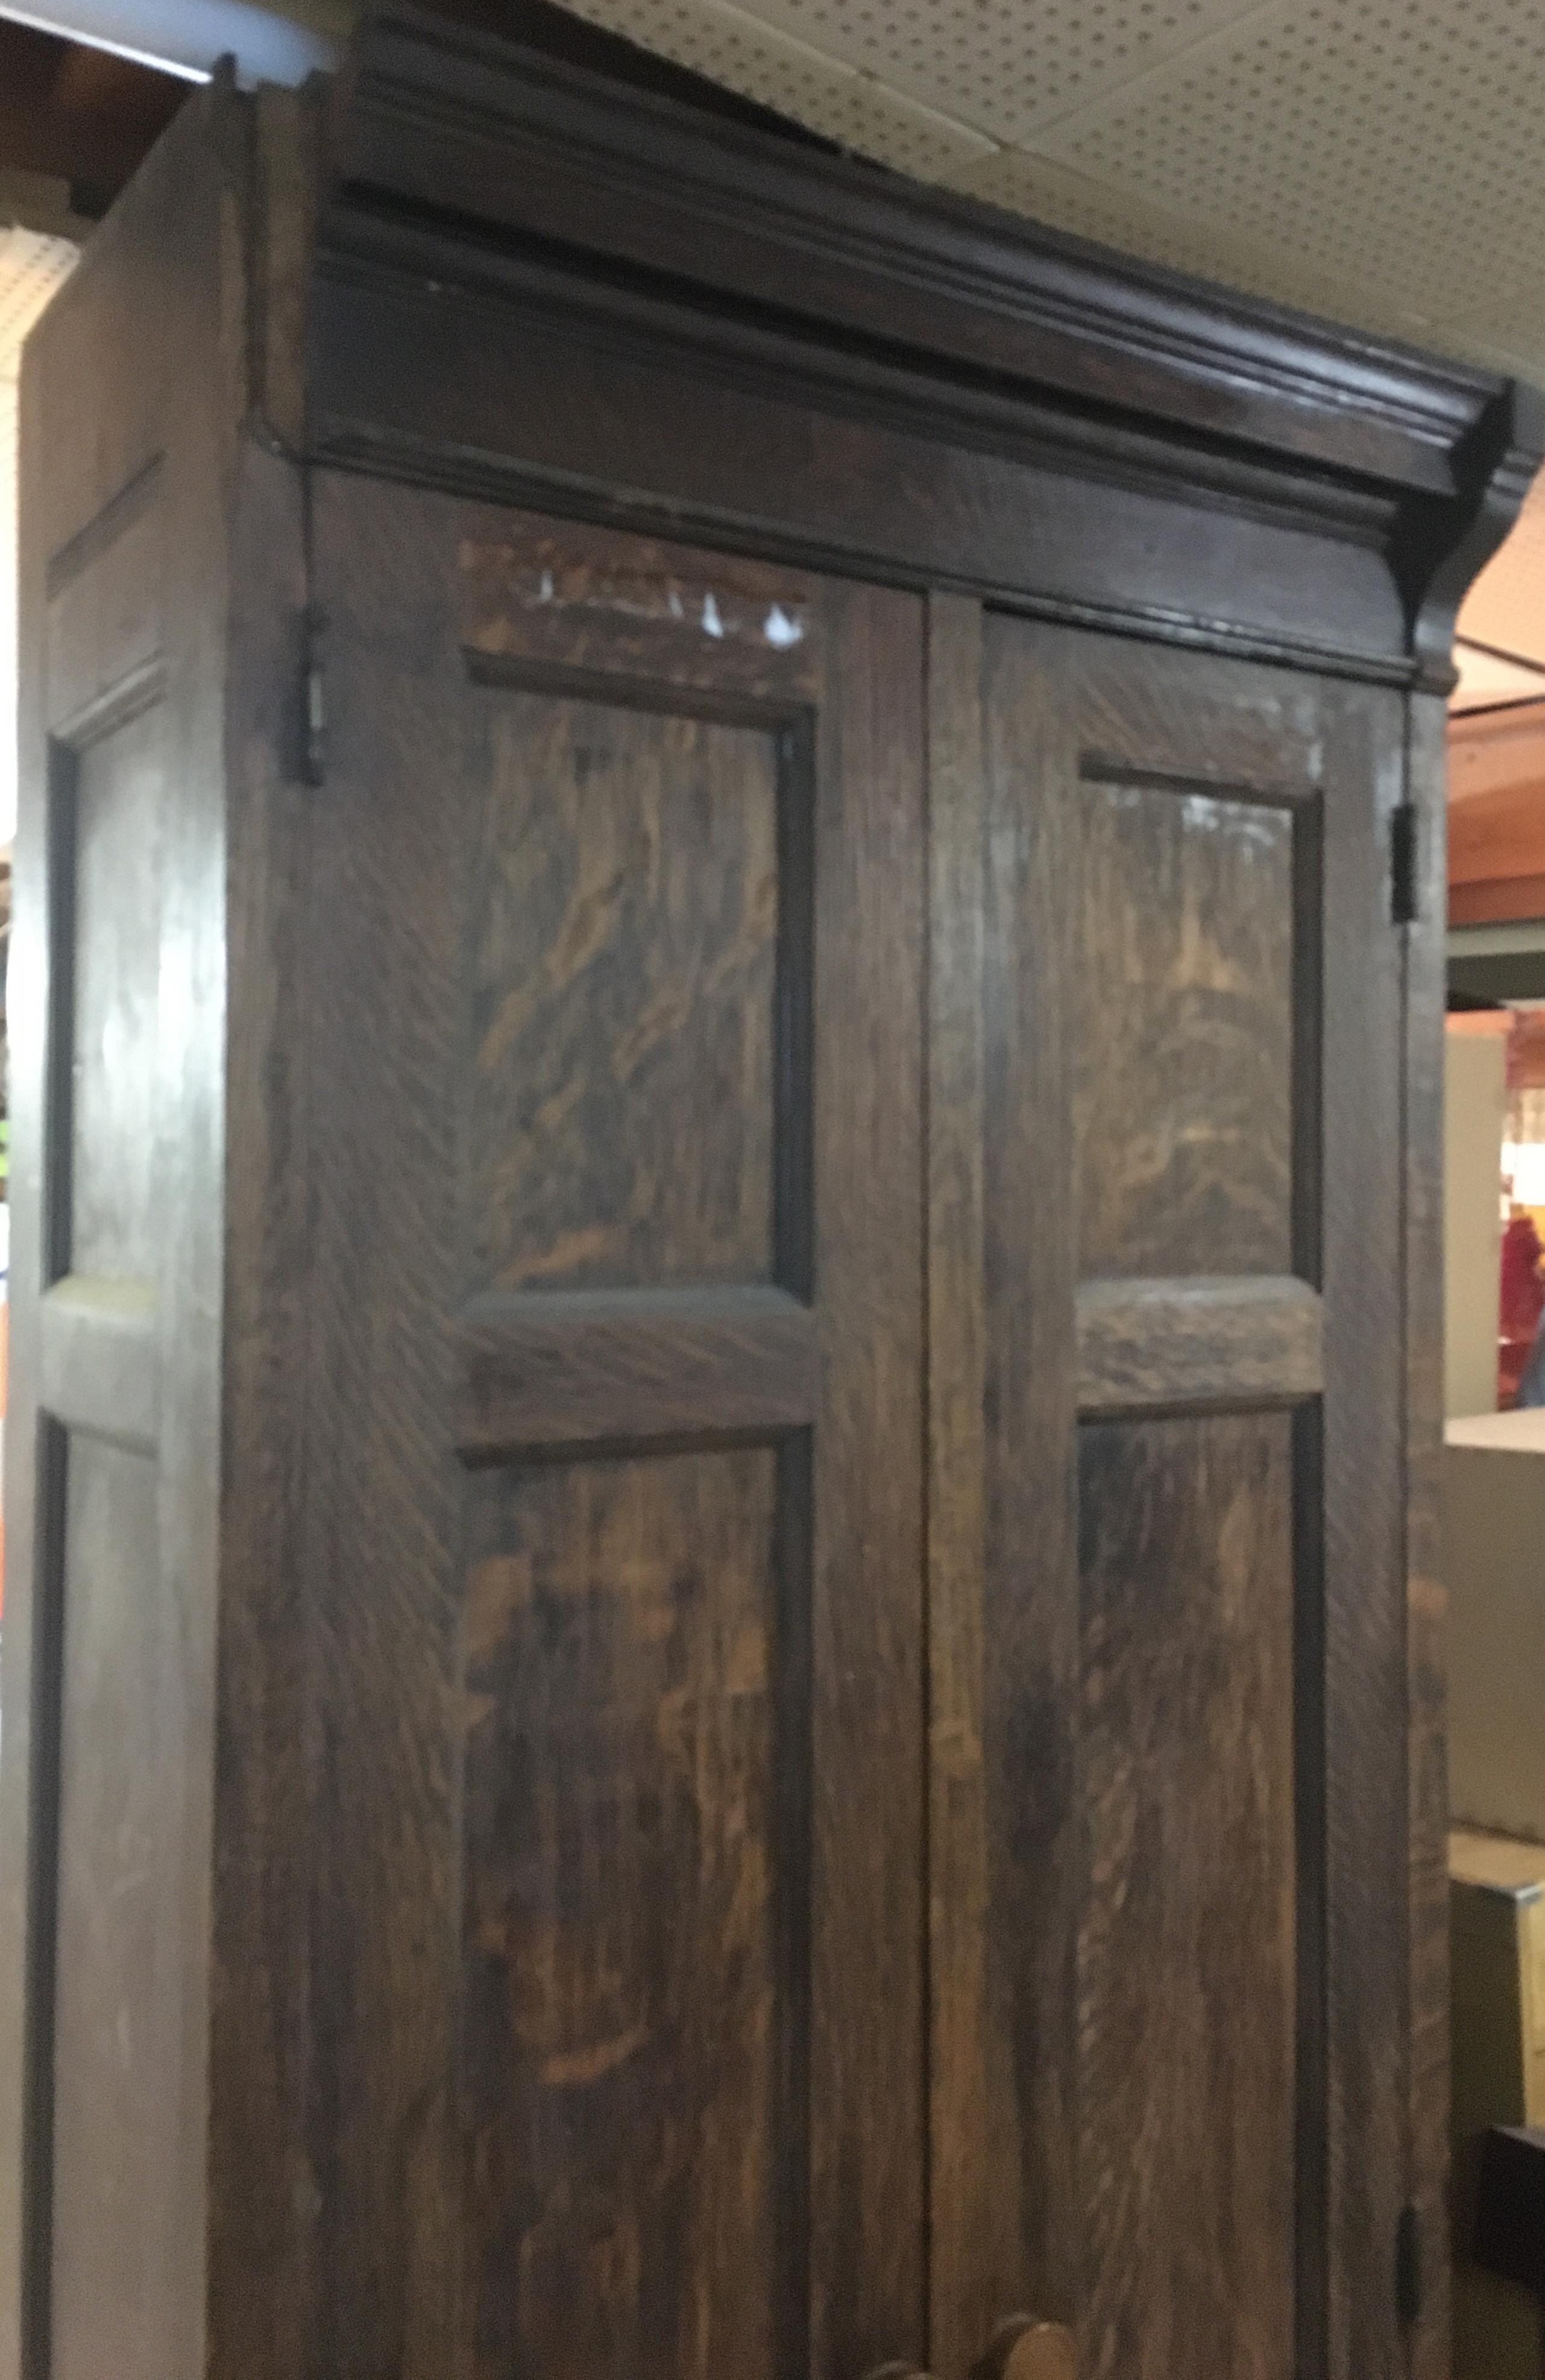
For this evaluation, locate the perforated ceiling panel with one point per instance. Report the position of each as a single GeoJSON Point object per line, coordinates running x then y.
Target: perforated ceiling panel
{"type": "Point", "coordinates": [1381, 164]}
{"type": "Point", "coordinates": [1384, 165]}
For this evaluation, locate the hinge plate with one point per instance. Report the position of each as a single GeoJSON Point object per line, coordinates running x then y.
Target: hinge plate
{"type": "Point", "coordinates": [1403, 852]}
{"type": "Point", "coordinates": [314, 695]}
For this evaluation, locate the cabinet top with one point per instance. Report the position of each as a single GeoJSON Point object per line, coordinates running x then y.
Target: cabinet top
{"type": "Point", "coordinates": [549, 284]}
{"type": "Point", "coordinates": [507, 137]}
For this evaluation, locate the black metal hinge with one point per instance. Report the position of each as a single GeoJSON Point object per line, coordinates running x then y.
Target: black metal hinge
{"type": "Point", "coordinates": [1403, 863]}
{"type": "Point", "coordinates": [313, 695]}
{"type": "Point", "coordinates": [1407, 2266]}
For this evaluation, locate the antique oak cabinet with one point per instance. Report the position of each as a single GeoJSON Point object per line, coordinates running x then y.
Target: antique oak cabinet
{"type": "Point", "coordinates": [721, 1655]}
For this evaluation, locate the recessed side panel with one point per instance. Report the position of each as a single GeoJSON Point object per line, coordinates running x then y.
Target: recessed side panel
{"type": "Point", "coordinates": [116, 785]}
{"type": "Point", "coordinates": [1183, 1089]}
{"type": "Point", "coordinates": [625, 1890]}
{"type": "Point", "coordinates": [1186, 1982]}
{"type": "Point", "coordinates": [119, 1999]}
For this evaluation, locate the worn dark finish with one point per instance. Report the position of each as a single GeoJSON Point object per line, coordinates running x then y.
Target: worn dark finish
{"type": "Point", "coordinates": [804, 353]}
{"type": "Point", "coordinates": [1198, 1362]}
{"type": "Point", "coordinates": [554, 1372]}
{"type": "Point", "coordinates": [671, 1684]}
{"type": "Point", "coordinates": [1425, 994]}
{"type": "Point", "coordinates": [1182, 1081]}
{"type": "Point", "coordinates": [1176, 1344]}
{"type": "Point", "coordinates": [725, 1388]}
{"type": "Point", "coordinates": [1186, 2150]}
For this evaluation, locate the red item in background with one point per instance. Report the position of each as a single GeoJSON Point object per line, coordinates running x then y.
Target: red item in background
{"type": "Point", "coordinates": [1523, 1291]}
{"type": "Point", "coordinates": [1522, 1300]}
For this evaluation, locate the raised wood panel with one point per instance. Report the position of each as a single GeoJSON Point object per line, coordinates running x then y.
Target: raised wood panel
{"type": "Point", "coordinates": [624, 953]}
{"type": "Point", "coordinates": [118, 2011]}
{"type": "Point", "coordinates": [106, 600]}
{"type": "Point", "coordinates": [1196, 1342]}
{"type": "Point", "coordinates": [634, 1368]}
{"type": "Point", "coordinates": [1187, 1988]}
{"type": "Point", "coordinates": [626, 2066]}
{"type": "Point", "coordinates": [111, 795]}
{"type": "Point", "coordinates": [1183, 1092]}
{"type": "Point", "coordinates": [99, 1364]}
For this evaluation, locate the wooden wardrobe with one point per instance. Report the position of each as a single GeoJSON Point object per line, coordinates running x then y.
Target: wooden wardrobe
{"type": "Point", "coordinates": [721, 1657]}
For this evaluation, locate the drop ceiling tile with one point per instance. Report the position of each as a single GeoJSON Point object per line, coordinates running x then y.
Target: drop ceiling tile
{"type": "Point", "coordinates": [1391, 153]}
{"type": "Point", "coordinates": [1002, 65]}
{"type": "Point", "coordinates": [764, 62]}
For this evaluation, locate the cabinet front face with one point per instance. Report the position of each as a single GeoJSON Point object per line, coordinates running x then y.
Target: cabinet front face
{"type": "Point", "coordinates": [614, 1527]}
{"type": "Point", "coordinates": [786, 1057]}
{"type": "Point", "coordinates": [1167, 1607]}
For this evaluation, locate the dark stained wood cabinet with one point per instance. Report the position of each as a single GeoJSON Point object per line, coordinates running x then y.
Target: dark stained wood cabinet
{"type": "Point", "coordinates": [722, 1653]}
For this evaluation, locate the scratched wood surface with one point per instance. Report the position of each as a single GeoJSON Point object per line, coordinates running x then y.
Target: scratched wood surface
{"type": "Point", "coordinates": [625, 948]}
{"type": "Point", "coordinates": [622, 1970]}
{"type": "Point", "coordinates": [1187, 1986]}
{"type": "Point", "coordinates": [115, 799]}
{"type": "Point", "coordinates": [1183, 1094]}
{"type": "Point", "coordinates": [616, 2037]}
{"type": "Point", "coordinates": [1426, 976]}
{"type": "Point", "coordinates": [1142, 1801]}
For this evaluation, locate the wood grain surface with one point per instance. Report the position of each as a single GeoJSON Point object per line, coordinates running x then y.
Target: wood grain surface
{"type": "Point", "coordinates": [1187, 1990]}
{"type": "Point", "coordinates": [622, 1967]}
{"type": "Point", "coordinates": [116, 1025]}
{"type": "Point", "coordinates": [633, 1368]}
{"type": "Point", "coordinates": [663, 1682]}
{"type": "Point", "coordinates": [1426, 972]}
{"type": "Point", "coordinates": [1183, 1093]}
{"type": "Point", "coordinates": [1249, 1339]}
{"type": "Point", "coordinates": [625, 947]}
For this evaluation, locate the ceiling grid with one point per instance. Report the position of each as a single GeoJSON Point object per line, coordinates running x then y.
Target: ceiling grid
{"type": "Point", "coordinates": [1374, 164]}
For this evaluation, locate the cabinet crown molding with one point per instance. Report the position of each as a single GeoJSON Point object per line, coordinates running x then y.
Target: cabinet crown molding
{"type": "Point", "coordinates": [469, 165]}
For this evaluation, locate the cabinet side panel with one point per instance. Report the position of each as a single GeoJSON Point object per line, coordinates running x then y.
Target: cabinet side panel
{"type": "Point", "coordinates": [130, 400]}
{"type": "Point", "coordinates": [1426, 974]}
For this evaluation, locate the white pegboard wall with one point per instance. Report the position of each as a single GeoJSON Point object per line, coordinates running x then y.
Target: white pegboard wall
{"type": "Point", "coordinates": [33, 266]}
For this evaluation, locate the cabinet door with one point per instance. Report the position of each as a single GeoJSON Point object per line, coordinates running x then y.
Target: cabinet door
{"type": "Point", "coordinates": [1168, 1647]}
{"type": "Point", "coordinates": [615, 1456]}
